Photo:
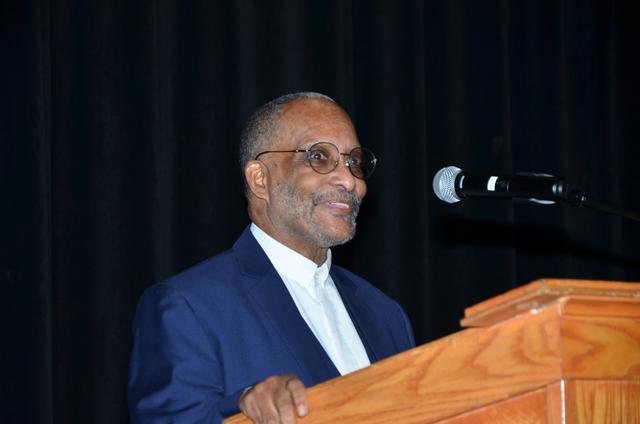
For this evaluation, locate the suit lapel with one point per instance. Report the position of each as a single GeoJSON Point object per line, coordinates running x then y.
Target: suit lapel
{"type": "Point", "coordinates": [269, 294]}
{"type": "Point", "coordinates": [362, 316]}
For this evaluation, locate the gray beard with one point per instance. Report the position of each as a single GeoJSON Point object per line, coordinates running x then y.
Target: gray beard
{"type": "Point", "coordinates": [303, 210]}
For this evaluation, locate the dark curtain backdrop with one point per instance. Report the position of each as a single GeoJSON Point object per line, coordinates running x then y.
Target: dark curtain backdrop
{"type": "Point", "coordinates": [120, 123]}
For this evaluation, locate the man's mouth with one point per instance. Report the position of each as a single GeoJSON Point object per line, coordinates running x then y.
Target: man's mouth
{"type": "Point", "coordinates": [340, 205]}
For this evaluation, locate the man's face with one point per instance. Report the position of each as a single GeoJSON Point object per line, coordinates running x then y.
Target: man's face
{"type": "Point", "coordinates": [307, 208]}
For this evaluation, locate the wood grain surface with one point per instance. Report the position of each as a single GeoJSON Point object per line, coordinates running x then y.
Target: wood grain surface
{"type": "Point", "coordinates": [606, 402]}
{"type": "Point", "coordinates": [540, 293]}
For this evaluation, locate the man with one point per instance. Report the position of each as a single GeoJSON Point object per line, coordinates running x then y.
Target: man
{"type": "Point", "coordinates": [249, 329]}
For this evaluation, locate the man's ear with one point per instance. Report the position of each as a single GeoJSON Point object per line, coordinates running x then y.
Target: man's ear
{"type": "Point", "coordinates": [257, 176]}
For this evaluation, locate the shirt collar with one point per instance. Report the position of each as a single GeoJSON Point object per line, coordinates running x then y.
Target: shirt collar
{"type": "Point", "coordinates": [289, 263]}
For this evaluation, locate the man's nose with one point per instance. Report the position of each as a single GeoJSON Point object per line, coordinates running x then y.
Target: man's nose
{"type": "Point", "coordinates": [342, 174]}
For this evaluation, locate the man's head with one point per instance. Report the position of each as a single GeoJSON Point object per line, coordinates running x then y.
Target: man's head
{"type": "Point", "coordinates": [307, 210]}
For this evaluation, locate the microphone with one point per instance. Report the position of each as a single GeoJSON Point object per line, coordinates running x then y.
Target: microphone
{"type": "Point", "coordinates": [451, 184]}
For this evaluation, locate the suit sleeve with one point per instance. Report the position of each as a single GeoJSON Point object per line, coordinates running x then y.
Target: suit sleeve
{"type": "Point", "coordinates": [174, 375]}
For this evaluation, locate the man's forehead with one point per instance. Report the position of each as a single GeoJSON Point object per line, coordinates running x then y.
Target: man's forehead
{"type": "Point", "coordinates": [306, 120]}
{"type": "Point", "coordinates": [300, 109]}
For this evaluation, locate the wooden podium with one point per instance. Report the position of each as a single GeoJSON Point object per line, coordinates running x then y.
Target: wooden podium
{"type": "Point", "coordinates": [552, 351]}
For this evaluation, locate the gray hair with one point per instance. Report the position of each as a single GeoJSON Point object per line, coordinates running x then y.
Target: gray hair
{"type": "Point", "coordinates": [263, 123]}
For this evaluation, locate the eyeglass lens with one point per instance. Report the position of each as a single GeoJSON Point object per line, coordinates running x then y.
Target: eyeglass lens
{"type": "Point", "coordinates": [324, 158]}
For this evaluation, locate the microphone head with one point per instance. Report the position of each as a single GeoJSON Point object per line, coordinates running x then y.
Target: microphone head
{"type": "Point", "coordinates": [444, 184]}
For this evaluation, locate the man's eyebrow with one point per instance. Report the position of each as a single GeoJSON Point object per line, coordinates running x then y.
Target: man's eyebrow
{"type": "Point", "coordinates": [319, 140]}
{"type": "Point", "coordinates": [306, 145]}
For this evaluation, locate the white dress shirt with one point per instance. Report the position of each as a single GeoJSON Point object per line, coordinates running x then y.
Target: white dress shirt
{"type": "Point", "coordinates": [318, 301]}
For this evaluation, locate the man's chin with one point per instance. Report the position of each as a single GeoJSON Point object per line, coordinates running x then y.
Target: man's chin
{"type": "Point", "coordinates": [333, 230]}
{"type": "Point", "coordinates": [340, 242]}
{"type": "Point", "coordinates": [337, 237]}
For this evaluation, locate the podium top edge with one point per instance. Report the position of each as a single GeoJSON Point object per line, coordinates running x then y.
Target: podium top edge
{"type": "Point", "coordinates": [551, 289]}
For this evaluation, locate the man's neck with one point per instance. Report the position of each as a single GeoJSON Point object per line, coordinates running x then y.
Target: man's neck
{"type": "Point", "coordinates": [316, 254]}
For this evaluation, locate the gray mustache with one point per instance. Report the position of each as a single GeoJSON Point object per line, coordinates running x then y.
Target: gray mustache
{"type": "Point", "coordinates": [338, 196]}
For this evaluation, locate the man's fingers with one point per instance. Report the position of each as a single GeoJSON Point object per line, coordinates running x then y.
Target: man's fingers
{"type": "Point", "coordinates": [286, 410]}
{"type": "Point", "coordinates": [257, 404]}
{"type": "Point", "coordinates": [276, 399]}
{"type": "Point", "coordinates": [298, 395]}
{"type": "Point", "coordinates": [293, 402]}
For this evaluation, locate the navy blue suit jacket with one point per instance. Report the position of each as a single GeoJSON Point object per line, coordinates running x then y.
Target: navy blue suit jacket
{"type": "Point", "coordinates": [204, 335]}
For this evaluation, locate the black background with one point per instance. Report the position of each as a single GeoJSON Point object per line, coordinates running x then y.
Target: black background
{"type": "Point", "coordinates": [120, 123]}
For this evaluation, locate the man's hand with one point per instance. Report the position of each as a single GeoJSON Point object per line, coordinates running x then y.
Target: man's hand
{"type": "Point", "coordinates": [278, 399]}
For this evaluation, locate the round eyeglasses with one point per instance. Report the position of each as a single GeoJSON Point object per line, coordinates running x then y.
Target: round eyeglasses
{"type": "Point", "coordinates": [324, 157]}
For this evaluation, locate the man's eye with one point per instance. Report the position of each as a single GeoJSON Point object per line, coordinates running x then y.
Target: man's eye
{"type": "Point", "coordinates": [317, 155]}
{"type": "Point", "coordinates": [355, 161]}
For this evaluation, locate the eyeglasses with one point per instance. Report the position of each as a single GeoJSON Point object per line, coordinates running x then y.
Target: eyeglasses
{"type": "Point", "coordinates": [324, 157]}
